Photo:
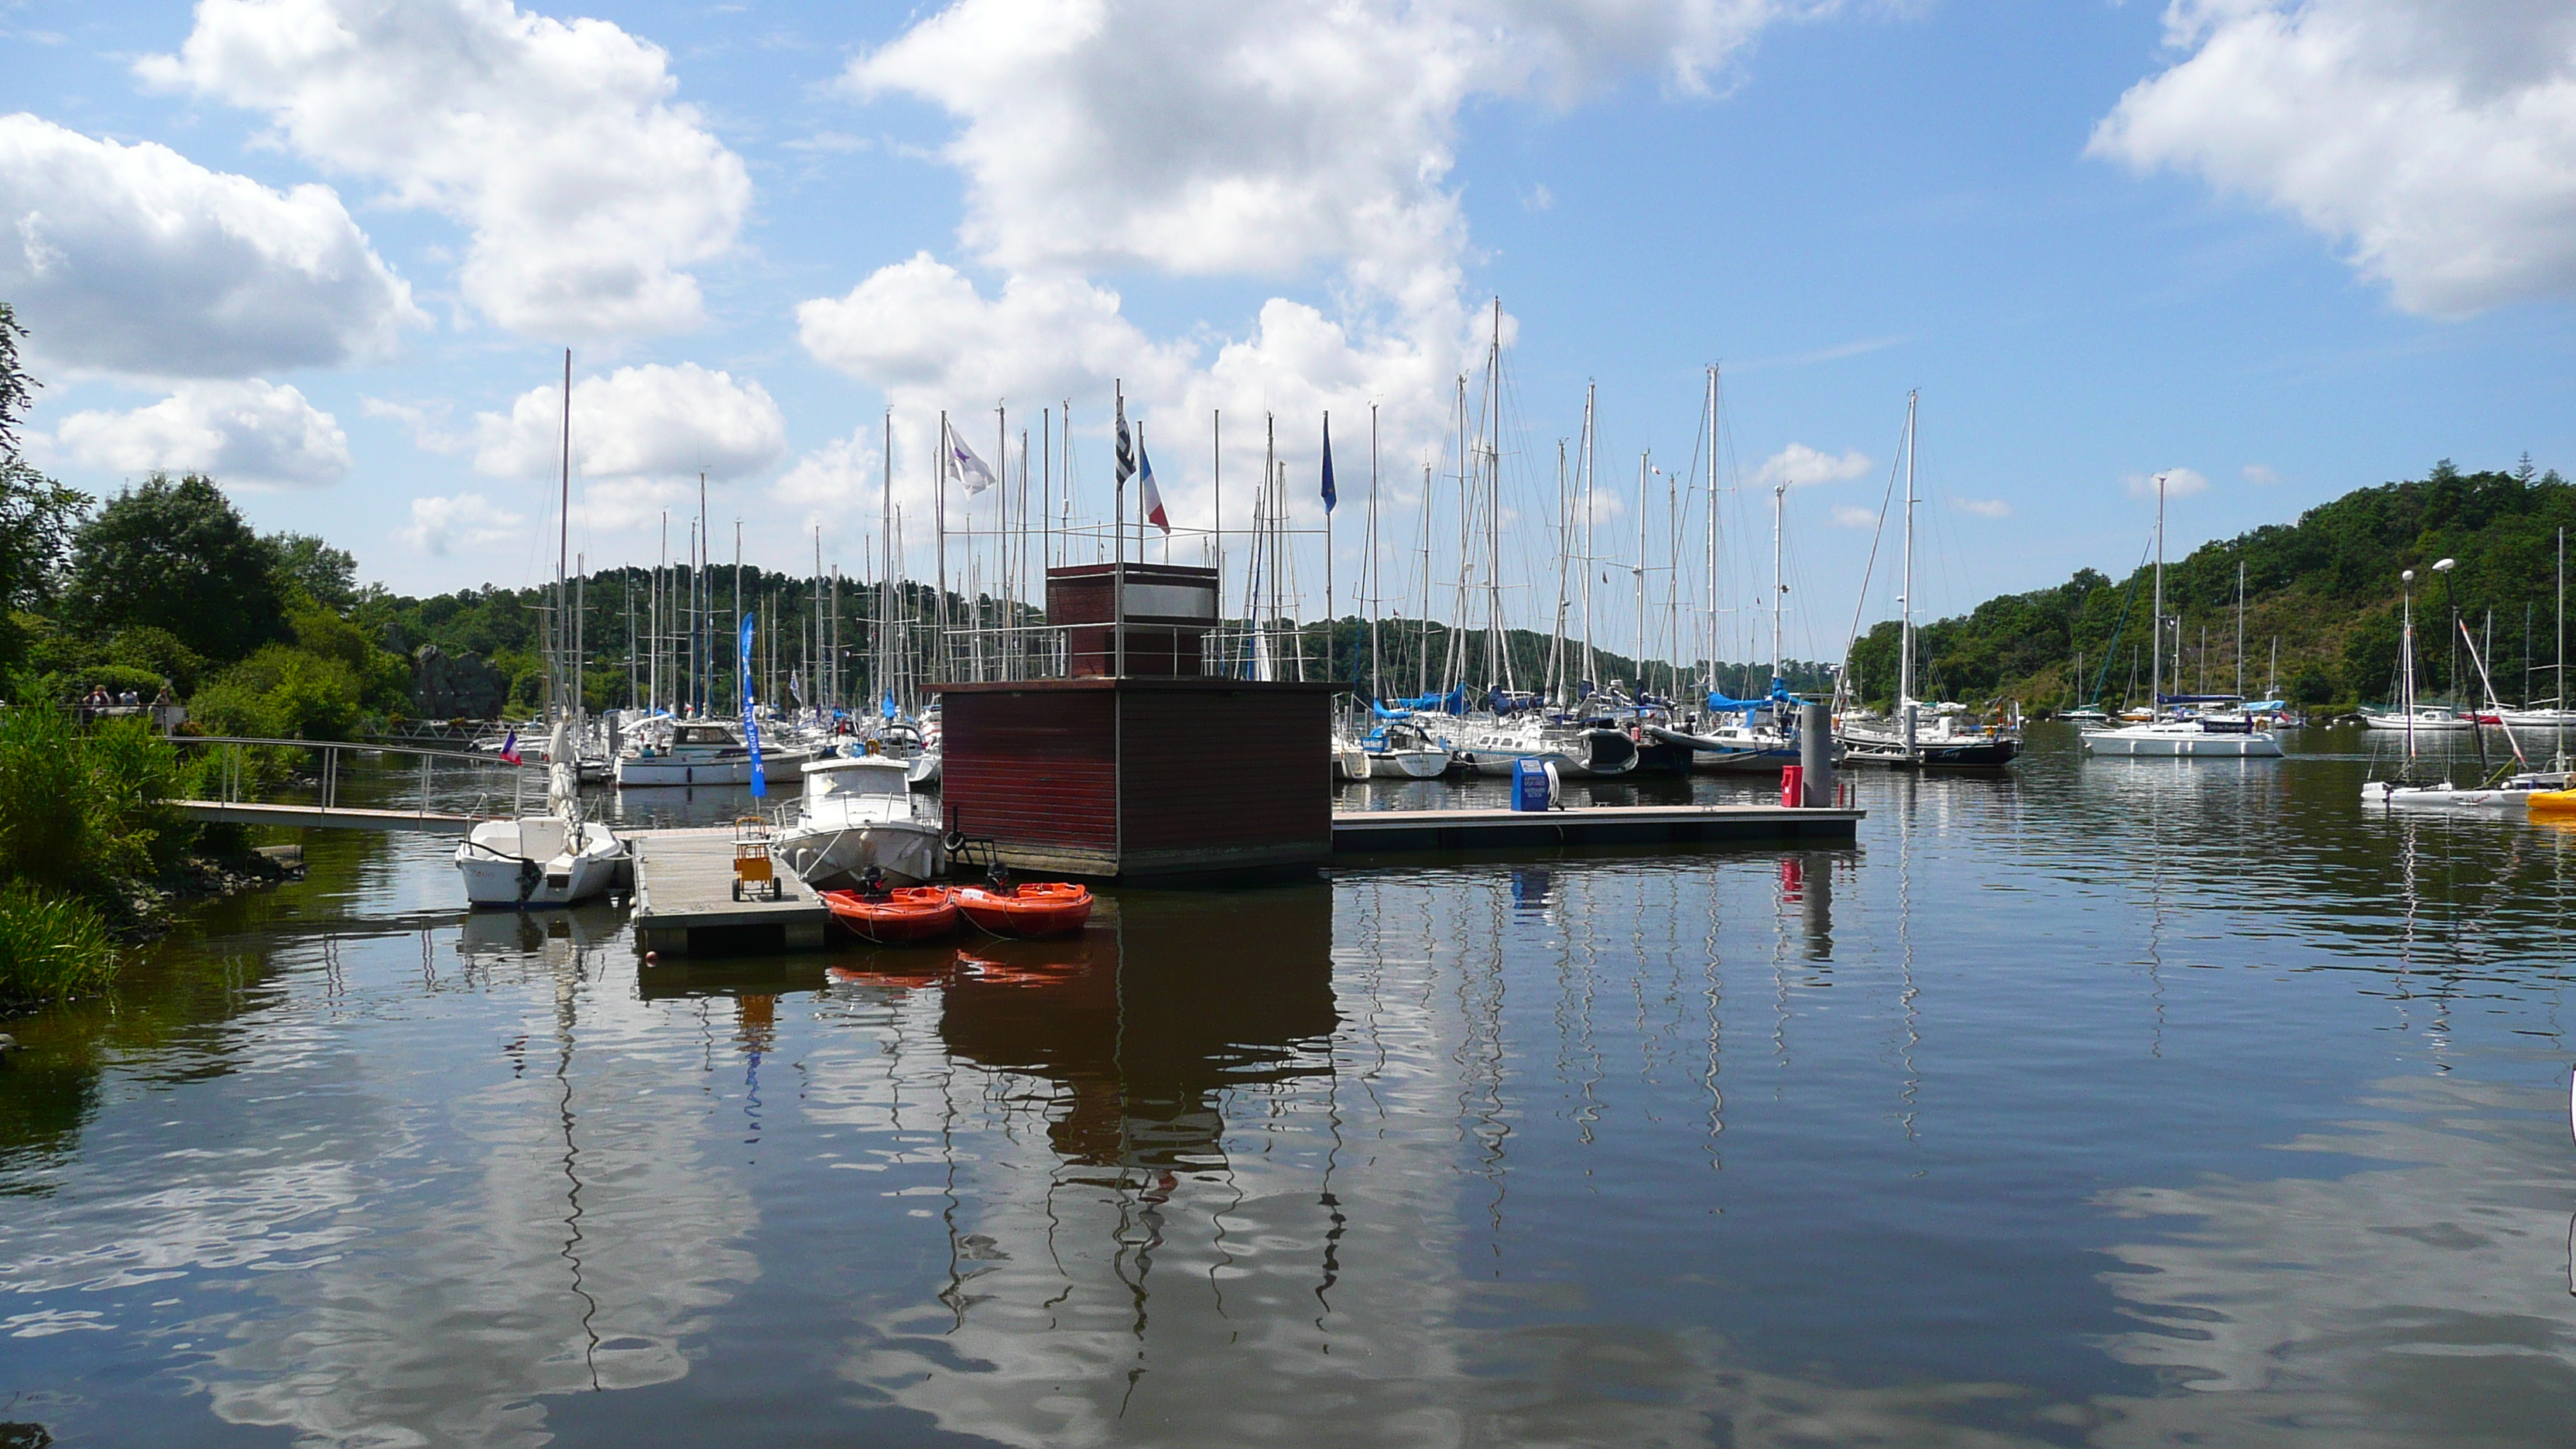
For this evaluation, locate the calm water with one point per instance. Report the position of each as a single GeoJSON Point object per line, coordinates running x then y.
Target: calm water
{"type": "Point", "coordinates": [2118, 1102]}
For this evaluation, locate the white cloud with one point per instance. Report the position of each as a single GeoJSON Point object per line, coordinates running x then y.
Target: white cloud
{"type": "Point", "coordinates": [640, 436]}
{"type": "Point", "coordinates": [427, 423]}
{"type": "Point", "coordinates": [440, 525]}
{"type": "Point", "coordinates": [1983, 507]}
{"type": "Point", "coordinates": [638, 422]}
{"type": "Point", "coordinates": [2258, 474]}
{"type": "Point", "coordinates": [837, 485]}
{"type": "Point", "coordinates": [2437, 139]}
{"type": "Point", "coordinates": [250, 432]}
{"type": "Point", "coordinates": [587, 188]}
{"type": "Point", "coordinates": [135, 259]}
{"type": "Point", "coordinates": [1850, 516]}
{"type": "Point", "coordinates": [1261, 139]}
{"type": "Point", "coordinates": [922, 331]}
{"type": "Point", "coordinates": [1277, 141]}
{"type": "Point", "coordinates": [1799, 465]}
{"type": "Point", "coordinates": [2179, 483]}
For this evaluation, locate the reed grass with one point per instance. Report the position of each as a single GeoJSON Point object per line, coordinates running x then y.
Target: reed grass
{"type": "Point", "coordinates": [52, 947]}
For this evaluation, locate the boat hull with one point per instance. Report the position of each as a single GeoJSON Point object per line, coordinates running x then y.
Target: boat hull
{"type": "Point", "coordinates": [2182, 745]}
{"type": "Point", "coordinates": [1410, 764]}
{"type": "Point", "coordinates": [2395, 796]}
{"type": "Point", "coordinates": [908, 851]}
{"type": "Point", "coordinates": [899, 917]}
{"type": "Point", "coordinates": [1730, 756]}
{"type": "Point", "coordinates": [571, 864]}
{"type": "Point", "coordinates": [641, 771]}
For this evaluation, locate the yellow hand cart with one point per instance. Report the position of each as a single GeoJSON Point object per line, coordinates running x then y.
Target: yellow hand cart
{"type": "Point", "coordinates": [754, 870]}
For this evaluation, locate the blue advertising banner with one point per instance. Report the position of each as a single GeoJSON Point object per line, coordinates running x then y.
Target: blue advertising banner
{"type": "Point", "coordinates": [750, 720]}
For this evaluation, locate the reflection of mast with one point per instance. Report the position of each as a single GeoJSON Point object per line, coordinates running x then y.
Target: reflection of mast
{"type": "Point", "coordinates": [566, 997]}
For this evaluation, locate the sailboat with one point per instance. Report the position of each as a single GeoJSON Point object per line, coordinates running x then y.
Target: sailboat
{"type": "Point", "coordinates": [1920, 736]}
{"type": "Point", "coordinates": [2178, 735]}
{"type": "Point", "coordinates": [2507, 791]}
{"type": "Point", "coordinates": [557, 858]}
{"type": "Point", "coordinates": [1748, 736]}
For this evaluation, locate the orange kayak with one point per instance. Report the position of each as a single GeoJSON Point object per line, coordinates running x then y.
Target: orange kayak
{"type": "Point", "coordinates": [914, 913]}
{"type": "Point", "coordinates": [1040, 908]}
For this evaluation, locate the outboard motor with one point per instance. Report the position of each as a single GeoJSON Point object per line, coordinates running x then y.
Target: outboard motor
{"type": "Point", "coordinates": [872, 883]}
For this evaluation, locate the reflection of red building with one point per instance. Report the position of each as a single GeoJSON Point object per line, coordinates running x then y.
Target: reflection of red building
{"type": "Point", "coordinates": [1159, 771]}
{"type": "Point", "coordinates": [1141, 1025]}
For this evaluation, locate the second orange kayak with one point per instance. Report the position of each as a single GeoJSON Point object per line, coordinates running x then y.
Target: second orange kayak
{"type": "Point", "coordinates": [1040, 908]}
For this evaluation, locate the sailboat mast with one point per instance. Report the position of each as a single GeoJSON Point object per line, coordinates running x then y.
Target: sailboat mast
{"type": "Point", "coordinates": [1375, 570]}
{"type": "Point", "coordinates": [2240, 629]}
{"type": "Point", "coordinates": [1905, 599]}
{"type": "Point", "coordinates": [1555, 685]}
{"type": "Point", "coordinates": [2156, 647]}
{"type": "Point", "coordinates": [1779, 580]}
{"type": "Point", "coordinates": [1585, 493]}
{"type": "Point", "coordinates": [1708, 683]}
{"type": "Point", "coordinates": [1638, 685]}
{"type": "Point", "coordinates": [1497, 660]}
{"type": "Point", "coordinates": [563, 542]}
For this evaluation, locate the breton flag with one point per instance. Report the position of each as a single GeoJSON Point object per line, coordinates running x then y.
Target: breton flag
{"type": "Point", "coordinates": [1153, 496]}
{"type": "Point", "coordinates": [510, 747]}
{"type": "Point", "coordinates": [965, 467]}
{"type": "Point", "coordinates": [1329, 499]}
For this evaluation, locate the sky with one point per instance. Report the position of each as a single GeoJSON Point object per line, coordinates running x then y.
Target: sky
{"type": "Point", "coordinates": [331, 253]}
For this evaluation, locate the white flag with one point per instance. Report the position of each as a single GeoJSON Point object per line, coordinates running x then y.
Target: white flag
{"type": "Point", "coordinates": [965, 467]}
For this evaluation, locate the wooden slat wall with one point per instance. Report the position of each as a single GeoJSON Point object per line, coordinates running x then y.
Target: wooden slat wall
{"type": "Point", "coordinates": [1035, 767]}
{"type": "Point", "coordinates": [1207, 769]}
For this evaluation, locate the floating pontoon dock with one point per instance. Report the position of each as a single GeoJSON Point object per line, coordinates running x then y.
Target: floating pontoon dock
{"type": "Point", "coordinates": [1372, 832]}
{"type": "Point", "coordinates": [684, 900]}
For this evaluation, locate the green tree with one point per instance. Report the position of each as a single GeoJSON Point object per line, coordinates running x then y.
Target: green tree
{"type": "Point", "coordinates": [36, 513]}
{"type": "Point", "coordinates": [329, 576]}
{"type": "Point", "coordinates": [177, 556]}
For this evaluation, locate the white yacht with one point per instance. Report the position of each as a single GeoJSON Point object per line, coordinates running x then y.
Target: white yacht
{"type": "Point", "coordinates": [1403, 748]}
{"type": "Point", "coordinates": [2419, 718]}
{"type": "Point", "coordinates": [703, 752]}
{"type": "Point", "coordinates": [1577, 751]}
{"type": "Point", "coordinates": [858, 813]}
{"type": "Point", "coordinates": [2186, 737]}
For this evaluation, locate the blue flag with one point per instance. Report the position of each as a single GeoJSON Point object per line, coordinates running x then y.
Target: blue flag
{"type": "Point", "coordinates": [1329, 499]}
{"type": "Point", "coordinates": [750, 717]}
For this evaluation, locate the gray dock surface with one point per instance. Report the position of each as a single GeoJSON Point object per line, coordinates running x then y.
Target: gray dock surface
{"type": "Point", "coordinates": [322, 817]}
{"type": "Point", "coordinates": [684, 899]}
{"type": "Point", "coordinates": [1370, 832]}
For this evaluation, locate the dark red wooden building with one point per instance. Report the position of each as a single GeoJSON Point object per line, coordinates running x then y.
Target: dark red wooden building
{"type": "Point", "coordinates": [1139, 766]}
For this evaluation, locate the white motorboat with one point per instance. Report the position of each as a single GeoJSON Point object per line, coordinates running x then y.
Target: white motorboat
{"type": "Point", "coordinates": [1732, 748]}
{"type": "Point", "coordinates": [2086, 717]}
{"type": "Point", "coordinates": [703, 752]}
{"type": "Point", "coordinates": [858, 813]}
{"type": "Point", "coordinates": [1402, 747]}
{"type": "Point", "coordinates": [539, 860]}
{"type": "Point", "coordinates": [1577, 751]}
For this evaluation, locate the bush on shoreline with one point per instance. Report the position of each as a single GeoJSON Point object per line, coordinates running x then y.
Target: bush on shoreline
{"type": "Point", "coordinates": [85, 818]}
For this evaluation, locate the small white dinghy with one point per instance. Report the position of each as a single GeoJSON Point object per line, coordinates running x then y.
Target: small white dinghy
{"type": "Point", "coordinates": [536, 861]}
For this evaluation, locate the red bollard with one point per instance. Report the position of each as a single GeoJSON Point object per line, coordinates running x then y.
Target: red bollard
{"type": "Point", "coordinates": [1793, 786]}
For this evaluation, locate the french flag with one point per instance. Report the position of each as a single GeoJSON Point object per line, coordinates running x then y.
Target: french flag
{"type": "Point", "coordinates": [510, 747]}
{"type": "Point", "coordinates": [1152, 495]}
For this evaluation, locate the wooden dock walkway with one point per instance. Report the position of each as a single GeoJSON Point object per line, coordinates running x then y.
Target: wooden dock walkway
{"type": "Point", "coordinates": [1373, 832]}
{"type": "Point", "coordinates": [684, 901]}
